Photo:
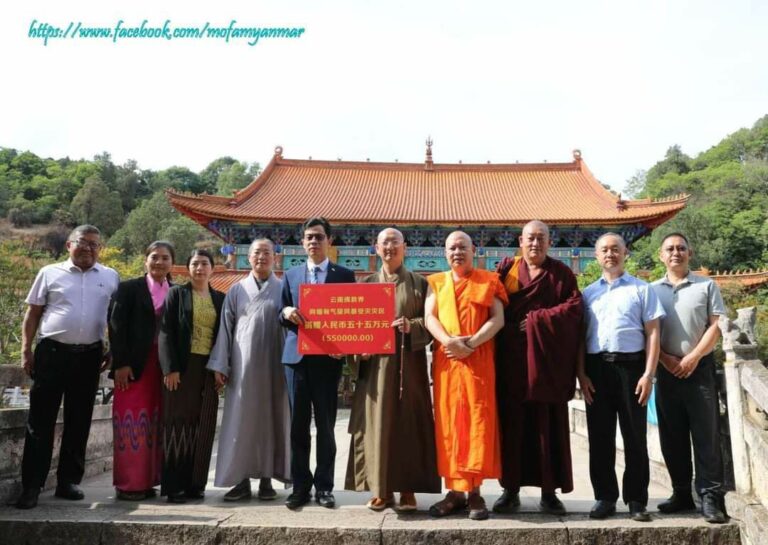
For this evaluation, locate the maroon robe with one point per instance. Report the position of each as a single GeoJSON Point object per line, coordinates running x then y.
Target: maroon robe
{"type": "Point", "coordinates": [535, 376]}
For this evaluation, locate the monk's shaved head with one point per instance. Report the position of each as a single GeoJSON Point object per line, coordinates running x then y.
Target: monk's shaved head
{"type": "Point", "coordinates": [459, 252]}
{"type": "Point", "coordinates": [536, 225]}
{"type": "Point", "coordinates": [390, 232]}
{"type": "Point", "coordinates": [458, 235]}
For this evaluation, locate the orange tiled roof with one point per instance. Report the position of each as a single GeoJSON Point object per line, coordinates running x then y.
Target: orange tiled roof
{"type": "Point", "coordinates": [745, 278]}
{"type": "Point", "coordinates": [222, 278]}
{"type": "Point", "coordinates": [291, 190]}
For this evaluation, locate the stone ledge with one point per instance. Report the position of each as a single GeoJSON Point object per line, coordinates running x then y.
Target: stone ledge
{"type": "Point", "coordinates": [751, 516]}
{"type": "Point", "coordinates": [352, 528]}
{"type": "Point", "coordinates": [12, 429]}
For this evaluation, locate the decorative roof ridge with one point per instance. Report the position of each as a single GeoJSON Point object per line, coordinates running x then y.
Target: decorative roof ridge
{"type": "Point", "coordinates": [738, 273]}
{"type": "Point", "coordinates": [597, 187]}
{"type": "Point", "coordinates": [174, 194]}
{"type": "Point", "coordinates": [374, 165]}
{"type": "Point", "coordinates": [680, 198]}
{"type": "Point", "coordinates": [260, 180]}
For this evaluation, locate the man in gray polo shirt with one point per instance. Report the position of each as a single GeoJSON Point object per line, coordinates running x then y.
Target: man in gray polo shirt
{"type": "Point", "coordinates": [686, 392]}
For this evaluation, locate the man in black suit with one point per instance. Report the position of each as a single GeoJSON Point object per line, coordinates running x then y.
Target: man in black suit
{"type": "Point", "coordinates": [312, 381]}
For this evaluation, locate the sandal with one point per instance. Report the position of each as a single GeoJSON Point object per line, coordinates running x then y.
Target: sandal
{"type": "Point", "coordinates": [407, 503]}
{"type": "Point", "coordinates": [379, 504]}
{"type": "Point", "coordinates": [452, 503]}
{"type": "Point", "coordinates": [477, 508]}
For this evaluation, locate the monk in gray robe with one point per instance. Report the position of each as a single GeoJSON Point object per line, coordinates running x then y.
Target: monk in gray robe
{"type": "Point", "coordinates": [393, 432]}
{"type": "Point", "coordinates": [254, 441]}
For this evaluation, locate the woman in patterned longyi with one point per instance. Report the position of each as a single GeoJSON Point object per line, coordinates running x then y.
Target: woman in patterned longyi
{"type": "Point", "coordinates": [134, 322]}
{"type": "Point", "coordinates": [187, 332]}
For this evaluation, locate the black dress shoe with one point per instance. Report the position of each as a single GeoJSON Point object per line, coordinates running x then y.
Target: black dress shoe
{"type": "Point", "coordinates": [28, 498]}
{"type": "Point", "coordinates": [195, 493]}
{"type": "Point", "coordinates": [297, 499]}
{"type": "Point", "coordinates": [551, 504]}
{"type": "Point", "coordinates": [508, 502]}
{"type": "Point", "coordinates": [177, 497]}
{"type": "Point", "coordinates": [637, 512]}
{"type": "Point", "coordinates": [266, 493]}
{"type": "Point", "coordinates": [602, 509]}
{"type": "Point", "coordinates": [241, 491]}
{"type": "Point", "coordinates": [710, 509]}
{"type": "Point", "coordinates": [678, 501]}
{"type": "Point", "coordinates": [325, 499]}
{"type": "Point", "coordinates": [69, 492]}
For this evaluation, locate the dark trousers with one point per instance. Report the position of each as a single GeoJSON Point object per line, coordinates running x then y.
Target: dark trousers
{"type": "Point", "coordinates": [59, 371]}
{"type": "Point", "coordinates": [313, 387]}
{"type": "Point", "coordinates": [688, 410]}
{"type": "Point", "coordinates": [615, 397]}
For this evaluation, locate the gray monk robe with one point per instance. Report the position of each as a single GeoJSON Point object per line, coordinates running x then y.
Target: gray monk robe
{"type": "Point", "coordinates": [255, 431]}
{"type": "Point", "coordinates": [393, 440]}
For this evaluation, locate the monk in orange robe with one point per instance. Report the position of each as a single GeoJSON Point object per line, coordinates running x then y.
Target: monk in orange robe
{"type": "Point", "coordinates": [463, 311]}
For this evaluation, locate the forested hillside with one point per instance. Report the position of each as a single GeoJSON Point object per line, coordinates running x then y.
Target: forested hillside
{"type": "Point", "coordinates": [727, 216]}
{"type": "Point", "coordinates": [125, 201]}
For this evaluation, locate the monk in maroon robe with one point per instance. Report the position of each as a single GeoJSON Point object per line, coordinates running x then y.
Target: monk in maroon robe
{"type": "Point", "coordinates": [536, 372]}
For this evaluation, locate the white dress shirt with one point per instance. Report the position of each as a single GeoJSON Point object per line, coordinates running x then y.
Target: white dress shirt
{"type": "Point", "coordinates": [76, 302]}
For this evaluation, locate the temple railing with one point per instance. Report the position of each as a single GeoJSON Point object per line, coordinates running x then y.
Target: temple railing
{"type": "Point", "coordinates": [746, 380]}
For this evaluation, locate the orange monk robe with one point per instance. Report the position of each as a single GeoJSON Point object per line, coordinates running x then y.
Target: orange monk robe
{"type": "Point", "coordinates": [466, 421]}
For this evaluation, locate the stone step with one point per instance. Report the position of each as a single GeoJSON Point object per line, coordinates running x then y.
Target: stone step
{"type": "Point", "coordinates": [215, 521]}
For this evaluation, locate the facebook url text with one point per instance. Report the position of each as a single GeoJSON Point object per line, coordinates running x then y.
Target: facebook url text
{"type": "Point", "coordinates": [166, 31]}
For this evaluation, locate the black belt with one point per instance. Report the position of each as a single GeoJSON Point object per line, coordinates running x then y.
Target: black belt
{"type": "Point", "coordinates": [75, 348]}
{"type": "Point", "coordinates": [621, 357]}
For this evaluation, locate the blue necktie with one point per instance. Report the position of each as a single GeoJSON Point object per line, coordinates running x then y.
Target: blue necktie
{"type": "Point", "coordinates": [313, 278]}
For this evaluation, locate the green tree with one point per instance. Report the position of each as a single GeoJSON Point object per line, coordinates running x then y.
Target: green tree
{"type": "Point", "coordinates": [210, 174]}
{"type": "Point", "coordinates": [180, 178]}
{"type": "Point", "coordinates": [97, 205]}
{"type": "Point", "coordinates": [127, 267]}
{"type": "Point", "coordinates": [675, 161]}
{"type": "Point", "coordinates": [156, 219]}
{"type": "Point", "coordinates": [236, 177]}
{"type": "Point", "coordinates": [634, 188]}
{"type": "Point", "coordinates": [185, 235]}
{"type": "Point", "coordinates": [18, 267]}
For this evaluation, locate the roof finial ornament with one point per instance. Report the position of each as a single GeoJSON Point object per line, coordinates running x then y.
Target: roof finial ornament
{"type": "Point", "coordinates": [428, 164]}
{"type": "Point", "coordinates": [577, 155]}
{"type": "Point", "coordinates": [279, 151]}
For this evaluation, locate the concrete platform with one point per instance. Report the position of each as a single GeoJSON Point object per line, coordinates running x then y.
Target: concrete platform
{"type": "Point", "coordinates": [101, 519]}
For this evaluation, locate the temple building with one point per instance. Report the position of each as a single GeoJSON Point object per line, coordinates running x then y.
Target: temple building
{"type": "Point", "coordinates": [426, 201]}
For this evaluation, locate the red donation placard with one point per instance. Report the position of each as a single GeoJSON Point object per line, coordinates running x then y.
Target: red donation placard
{"type": "Point", "coordinates": [347, 318]}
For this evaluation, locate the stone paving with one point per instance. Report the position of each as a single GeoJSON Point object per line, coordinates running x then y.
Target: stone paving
{"type": "Point", "coordinates": [102, 519]}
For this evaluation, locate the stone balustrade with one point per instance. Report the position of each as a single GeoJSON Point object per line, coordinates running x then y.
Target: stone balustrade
{"type": "Point", "coordinates": [747, 392]}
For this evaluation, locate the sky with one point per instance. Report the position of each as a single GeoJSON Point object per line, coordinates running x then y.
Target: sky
{"type": "Point", "coordinates": [506, 81]}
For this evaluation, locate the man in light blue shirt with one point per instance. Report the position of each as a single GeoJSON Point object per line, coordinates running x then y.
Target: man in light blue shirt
{"type": "Point", "coordinates": [622, 349]}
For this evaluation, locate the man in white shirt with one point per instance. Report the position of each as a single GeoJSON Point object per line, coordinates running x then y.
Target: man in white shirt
{"type": "Point", "coordinates": [67, 311]}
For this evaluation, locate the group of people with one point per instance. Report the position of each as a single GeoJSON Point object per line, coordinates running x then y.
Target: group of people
{"type": "Point", "coordinates": [508, 348]}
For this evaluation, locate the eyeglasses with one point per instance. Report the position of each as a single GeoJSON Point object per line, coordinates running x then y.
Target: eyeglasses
{"type": "Point", "coordinates": [83, 244]}
{"type": "Point", "coordinates": [314, 236]}
{"type": "Point", "coordinates": [673, 249]}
